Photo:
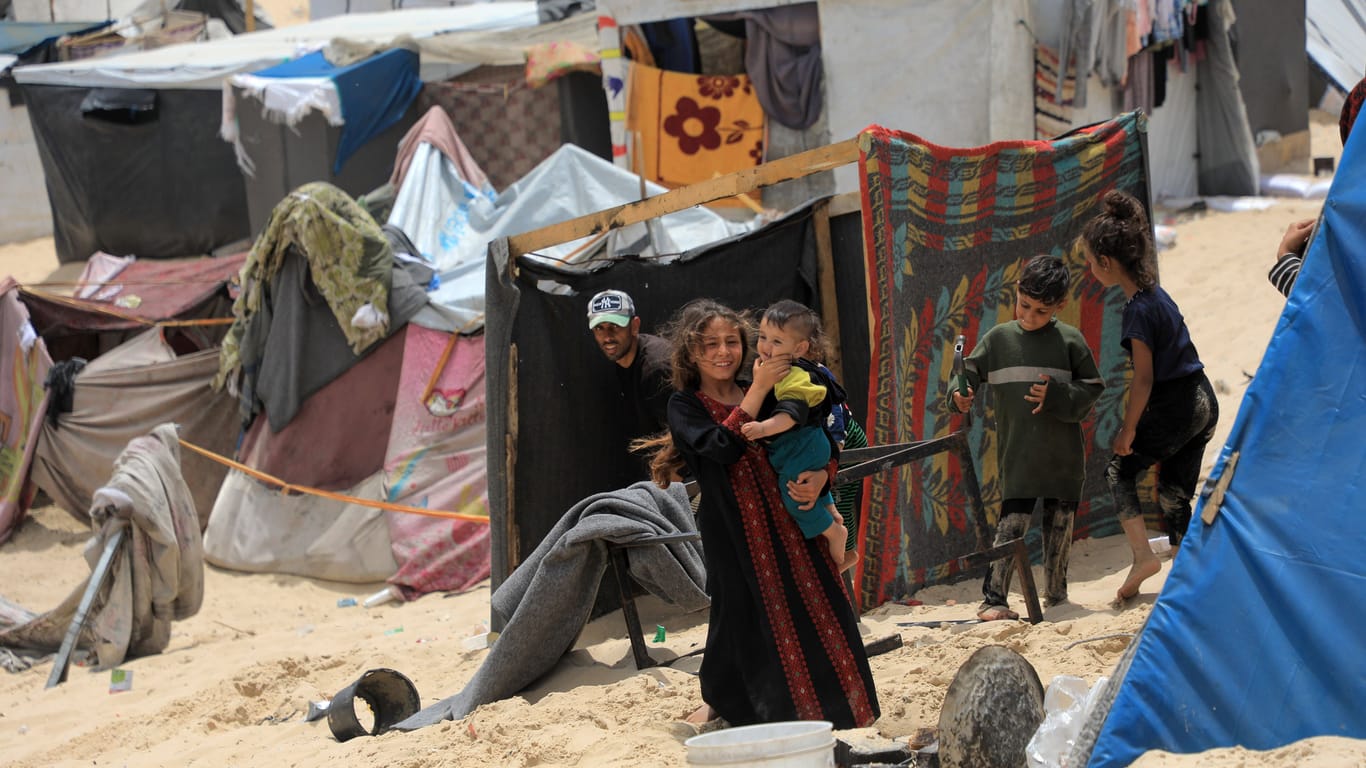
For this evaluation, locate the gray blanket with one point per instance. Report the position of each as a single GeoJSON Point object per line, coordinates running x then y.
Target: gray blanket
{"type": "Point", "coordinates": [547, 600]}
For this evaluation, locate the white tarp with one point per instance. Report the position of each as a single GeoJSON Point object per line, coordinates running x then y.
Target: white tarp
{"type": "Point", "coordinates": [204, 65]}
{"type": "Point", "coordinates": [435, 206]}
{"type": "Point", "coordinates": [1335, 36]}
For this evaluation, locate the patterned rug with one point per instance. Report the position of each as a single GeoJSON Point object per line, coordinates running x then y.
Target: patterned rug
{"type": "Point", "coordinates": [946, 233]}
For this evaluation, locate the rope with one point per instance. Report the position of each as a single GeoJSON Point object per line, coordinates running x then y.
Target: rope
{"type": "Point", "coordinates": [342, 497]}
{"type": "Point", "coordinates": [440, 366]}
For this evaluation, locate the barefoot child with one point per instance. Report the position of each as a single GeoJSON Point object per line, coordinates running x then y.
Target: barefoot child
{"type": "Point", "coordinates": [1045, 382]}
{"type": "Point", "coordinates": [1172, 411]}
{"type": "Point", "coordinates": [796, 432]}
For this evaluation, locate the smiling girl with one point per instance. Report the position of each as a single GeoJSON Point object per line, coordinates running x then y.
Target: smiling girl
{"type": "Point", "coordinates": [782, 638]}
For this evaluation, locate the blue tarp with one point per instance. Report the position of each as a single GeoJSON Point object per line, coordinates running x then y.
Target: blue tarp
{"type": "Point", "coordinates": [19, 37]}
{"type": "Point", "coordinates": [1257, 638]}
{"type": "Point", "coordinates": [374, 93]}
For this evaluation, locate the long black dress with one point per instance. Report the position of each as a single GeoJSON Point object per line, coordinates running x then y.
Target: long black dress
{"type": "Point", "coordinates": [783, 641]}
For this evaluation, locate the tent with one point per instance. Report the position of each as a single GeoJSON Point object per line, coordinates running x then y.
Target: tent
{"type": "Point", "coordinates": [131, 140]}
{"type": "Point", "coordinates": [64, 439]}
{"type": "Point", "coordinates": [1245, 645]}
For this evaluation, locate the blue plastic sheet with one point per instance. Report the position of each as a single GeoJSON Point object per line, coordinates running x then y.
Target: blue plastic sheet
{"type": "Point", "coordinates": [374, 93]}
{"type": "Point", "coordinates": [1256, 639]}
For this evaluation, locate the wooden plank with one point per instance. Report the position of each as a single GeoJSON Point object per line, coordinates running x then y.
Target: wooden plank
{"type": "Point", "coordinates": [732, 184]}
{"type": "Point", "coordinates": [825, 279]}
{"type": "Point", "coordinates": [845, 202]}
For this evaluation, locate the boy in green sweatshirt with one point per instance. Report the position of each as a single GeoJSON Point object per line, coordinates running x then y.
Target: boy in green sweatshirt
{"type": "Point", "coordinates": [1045, 382]}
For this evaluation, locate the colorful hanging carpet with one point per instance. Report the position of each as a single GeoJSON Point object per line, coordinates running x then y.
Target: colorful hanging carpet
{"type": "Point", "coordinates": [946, 233]}
{"type": "Point", "coordinates": [685, 128]}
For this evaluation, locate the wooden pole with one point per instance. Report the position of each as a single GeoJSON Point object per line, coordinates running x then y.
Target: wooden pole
{"type": "Point", "coordinates": [732, 184]}
{"type": "Point", "coordinates": [251, 15]}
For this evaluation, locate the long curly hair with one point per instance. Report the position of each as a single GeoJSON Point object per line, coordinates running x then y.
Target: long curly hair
{"type": "Point", "coordinates": [1120, 233]}
{"type": "Point", "coordinates": [684, 334]}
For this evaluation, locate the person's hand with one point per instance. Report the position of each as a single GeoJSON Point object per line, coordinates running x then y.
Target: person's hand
{"type": "Point", "coordinates": [963, 404]}
{"type": "Point", "coordinates": [1124, 442]}
{"type": "Point", "coordinates": [807, 487]}
{"type": "Point", "coordinates": [1296, 235]}
{"type": "Point", "coordinates": [771, 371]}
{"type": "Point", "coordinates": [752, 430]}
{"type": "Point", "coordinates": [1037, 393]}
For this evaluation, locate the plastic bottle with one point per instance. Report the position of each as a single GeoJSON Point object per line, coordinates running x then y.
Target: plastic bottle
{"type": "Point", "coordinates": [388, 594]}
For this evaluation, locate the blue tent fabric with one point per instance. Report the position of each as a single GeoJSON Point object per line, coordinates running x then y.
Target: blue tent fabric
{"type": "Point", "coordinates": [1257, 638]}
{"type": "Point", "coordinates": [19, 37]}
{"type": "Point", "coordinates": [374, 93]}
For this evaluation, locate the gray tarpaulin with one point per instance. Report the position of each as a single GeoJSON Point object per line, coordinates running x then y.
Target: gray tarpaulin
{"type": "Point", "coordinates": [1228, 155]}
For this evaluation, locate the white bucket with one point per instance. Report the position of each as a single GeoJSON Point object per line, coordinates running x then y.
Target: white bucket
{"type": "Point", "coordinates": [802, 744]}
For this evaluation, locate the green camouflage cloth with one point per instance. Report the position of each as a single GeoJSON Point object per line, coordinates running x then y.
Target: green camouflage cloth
{"type": "Point", "coordinates": [349, 260]}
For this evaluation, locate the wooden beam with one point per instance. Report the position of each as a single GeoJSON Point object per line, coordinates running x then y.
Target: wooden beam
{"type": "Point", "coordinates": [845, 202]}
{"type": "Point", "coordinates": [825, 279]}
{"type": "Point", "coordinates": [732, 184]}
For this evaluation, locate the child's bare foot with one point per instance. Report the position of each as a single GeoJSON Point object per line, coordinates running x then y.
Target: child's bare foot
{"type": "Point", "coordinates": [1138, 573]}
{"type": "Point", "coordinates": [850, 560]}
{"type": "Point", "coordinates": [836, 536]}
{"type": "Point", "coordinates": [997, 613]}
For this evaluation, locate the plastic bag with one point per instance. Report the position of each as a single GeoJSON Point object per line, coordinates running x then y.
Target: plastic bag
{"type": "Point", "coordinates": [1066, 704]}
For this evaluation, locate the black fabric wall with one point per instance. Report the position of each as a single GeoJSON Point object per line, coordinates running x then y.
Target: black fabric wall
{"type": "Point", "coordinates": [162, 186]}
{"type": "Point", "coordinates": [568, 442]}
{"type": "Point", "coordinates": [851, 294]}
{"type": "Point", "coordinates": [1273, 67]}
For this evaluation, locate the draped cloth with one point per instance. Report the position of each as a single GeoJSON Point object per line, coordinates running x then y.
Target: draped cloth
{"type": "Point", "coordinates": [693, 127]}
{"type": "Point", "coordinates": [157, 575]}
{"type": "Point", "coordinates": [947, 232]}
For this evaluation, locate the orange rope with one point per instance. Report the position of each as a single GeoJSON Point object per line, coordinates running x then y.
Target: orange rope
{"type": "Point", "coordinates": [440, 366]}
{"type": "Point", "coordinates": [344, 498]}
{"type": "Point", "coordinates": [92, 307]}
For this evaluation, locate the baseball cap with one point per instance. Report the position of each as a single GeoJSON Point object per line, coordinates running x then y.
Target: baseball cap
{"type": "Point", "coordinates": [610, 307]}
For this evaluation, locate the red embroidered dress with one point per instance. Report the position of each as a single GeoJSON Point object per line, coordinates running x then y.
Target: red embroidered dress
{"type": "Point", "coordinates": [782, 638]}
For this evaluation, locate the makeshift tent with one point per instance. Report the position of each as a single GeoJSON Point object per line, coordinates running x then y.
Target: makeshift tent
{"type": "Point", "coordinates": [140, 374]}
{"type": "Point", "coordinates": [1245, 645]}
{"type": "Point", "coordinates": [24, 364]}
{"type": "Point", "coordinates": [308, 120]}
{"type": "Point", "coordinates": [159, 182]}
{"type": "Point", "coordinates": [548, 372]}
{"type": "Point", "coordinates": [298, 355]}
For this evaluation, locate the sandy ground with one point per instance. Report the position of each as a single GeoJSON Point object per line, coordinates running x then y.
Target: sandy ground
{"type": "Point", "coordinates": [233, 686]}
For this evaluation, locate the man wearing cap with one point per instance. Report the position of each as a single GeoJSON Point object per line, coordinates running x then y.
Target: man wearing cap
{"type": "Point", "coordinates": [642, 360]}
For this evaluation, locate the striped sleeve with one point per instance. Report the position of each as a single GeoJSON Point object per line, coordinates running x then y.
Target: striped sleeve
{"type": "Point", "coordinates": [1284, 273]}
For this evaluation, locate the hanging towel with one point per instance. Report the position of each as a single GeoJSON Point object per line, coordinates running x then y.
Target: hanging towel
{"type": "Point", "coordinates": [693, 127]}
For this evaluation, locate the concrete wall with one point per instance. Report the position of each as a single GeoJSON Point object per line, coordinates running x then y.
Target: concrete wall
{"type": "Point", "coordinates": [23, 195]}
{"type": "Point", "coordinates": [955, 72]}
